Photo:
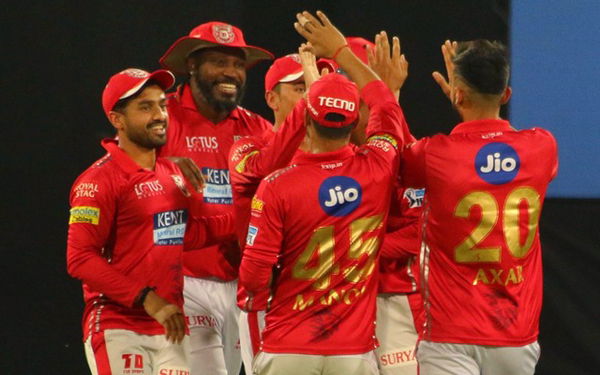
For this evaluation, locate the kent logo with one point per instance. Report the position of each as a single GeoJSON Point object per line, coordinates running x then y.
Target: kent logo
{"type": "Point", "coordinates": [497, 163]}
{"type": "Point", "coordinates": [169, 227]}
{"type": "Point", "coordinates": [339, 195]}
{"type": "Point", "coordinates": [217, 188]}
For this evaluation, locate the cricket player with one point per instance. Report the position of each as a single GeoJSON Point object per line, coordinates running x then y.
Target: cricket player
{"type": "Point", "coordinates": [253, 158]}
{"type": "Point", "coordinates": [129, 214]}
{"type": "Point", "coordinates": [481, 260]}
{"type": "Point", "coordinates": [206, 120]}
{"type": "Point", "coordinates": [322, 234]}
{"type": "Point", "coordinates": [398, 301]}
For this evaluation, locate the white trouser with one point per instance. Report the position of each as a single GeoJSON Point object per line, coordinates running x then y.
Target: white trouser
{"type": "Point", "coordinates": [119, 351]}
{"type": "Point", "coordinates": [397, 336]}
{"type": "Point", "coordinates": [251, 326]}
{"type": "Point", "coordinates": [306, 364]}
{"type": "Point", "coordinates": [437, 358]}
{"type": "Point", "coordinates": [212, 316]}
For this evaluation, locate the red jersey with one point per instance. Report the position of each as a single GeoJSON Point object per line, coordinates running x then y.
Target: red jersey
{"type": "Point", "coordinates": [399, 266]}
{"type": "Point", "coordinates": [481, 260]}
{"type": "Point", "coordinates": [250, 160]}
{"type": "Point", "coordinates": [321, 221]}
{"type": "Point", "coordinates": [192, 135]}
{"type": "Point", "coordinates": [126, 232]}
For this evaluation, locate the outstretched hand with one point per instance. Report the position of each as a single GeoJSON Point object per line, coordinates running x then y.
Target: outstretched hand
{"type": "Point", "coordinates": [392, 67]}
{"type": "Point", "coordinates": [448, 51]}
{"type": "Point", "coordinates": [324, 37]}
{"type": "Point", "coordinates": [309, 64]}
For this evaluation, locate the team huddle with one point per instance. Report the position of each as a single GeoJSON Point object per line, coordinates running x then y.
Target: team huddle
{"type": "Point", "coordinates": [329, 242]}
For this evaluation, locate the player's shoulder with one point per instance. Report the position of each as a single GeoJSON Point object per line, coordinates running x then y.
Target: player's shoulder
{"type": "Point", "coordinates": [537, 131]}
{"type": "Point", "coordinates": [97, 178]}
{"type": "Point", "coordinates": [244, 146]}
{"type": "Point", "coordinates": [251, 118]}
{"type": "Point", "coordinates": [281, 175]}
{"type": "Point", "coordinates": [167, 164]}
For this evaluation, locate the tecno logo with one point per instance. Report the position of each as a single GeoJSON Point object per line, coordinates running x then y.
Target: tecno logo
{"type": "Point", "coordinates": [338, 103]}
{"type": "Point", "coordinates": [339, 195]}
{"type": "Point", "coordinates": [497, 163]}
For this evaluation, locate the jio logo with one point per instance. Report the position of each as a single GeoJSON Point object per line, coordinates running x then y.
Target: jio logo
{"type": "Point", "coordinates": [497, 163]}
{"type": "Point", "coordinates": [339, 195]}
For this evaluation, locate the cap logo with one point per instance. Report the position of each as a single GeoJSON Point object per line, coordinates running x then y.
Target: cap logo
{"type": "Point", "coordinates": [136, 73]}
{"type": "Point", "coordinates": [295, 57]}
{"type": "Point", "coordinates": [330, 102]}
{"type": "Point", "coordinates": [223, 33]}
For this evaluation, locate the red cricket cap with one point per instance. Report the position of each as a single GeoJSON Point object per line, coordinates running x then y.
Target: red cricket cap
{"type": "Point", "coordinates": [210, 34]}
{"type": "Point", "coordinates": [129, 81]}
{"type": "Point", "coordinates": [359, 46]}
{"type": "Point", "coordinates": [333, 93]}
{"type": "Point", "coordinates": [285, 69]}
{"type": "Point", "coordinates": [288, 69]}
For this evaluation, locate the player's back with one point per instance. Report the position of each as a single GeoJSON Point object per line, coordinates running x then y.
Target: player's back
{"type": "Point", "coordinates": [482, 268]}
{"type": "Point", "coordinates": [333, 210]}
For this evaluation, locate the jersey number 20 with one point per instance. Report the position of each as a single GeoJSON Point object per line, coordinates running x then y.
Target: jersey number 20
{"type": "Point", "coordinates": [468, 251]}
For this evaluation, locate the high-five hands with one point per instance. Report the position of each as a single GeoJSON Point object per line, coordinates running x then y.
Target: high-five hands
{"type": "Point", "coordinates": [391, 68]}
{"type": "Point", "coordinates": [325, 38]}
{"type": "Point", "coordinates": [448, 51]}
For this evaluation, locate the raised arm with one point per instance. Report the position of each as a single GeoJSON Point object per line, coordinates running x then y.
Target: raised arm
{"type": "Point", "coordinates": [329, 42]}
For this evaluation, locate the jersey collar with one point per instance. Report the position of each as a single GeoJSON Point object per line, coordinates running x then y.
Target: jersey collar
{"type": "Point", "coordinates": [482, 126]}
{"type": "Point", "coordinates": [120, 157]}
{"type": "Point", "coordinates": [187, 102]}
{"type": "Point", "coordinates": [302, 157]}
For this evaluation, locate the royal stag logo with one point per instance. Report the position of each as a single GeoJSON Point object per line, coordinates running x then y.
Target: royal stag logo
{"type": "Point", "coordinates": [223, 33]}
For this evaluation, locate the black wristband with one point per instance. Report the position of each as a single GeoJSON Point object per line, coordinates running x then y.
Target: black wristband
{"type": "Point", "coordinates": [139, 300]}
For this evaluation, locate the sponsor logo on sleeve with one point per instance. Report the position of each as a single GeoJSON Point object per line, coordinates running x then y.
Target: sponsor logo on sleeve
{"type": "Point", "coordinates": [169, 227]}
{"type": "Point", "coordinates": [497, 163]}
{"type": "Point", "coordinates": [86, 190]}
{"type": "Point", "coordinates": [257, 205]}
{"type": "Point", "coordinates": [339, 195]}
{"type": "Point", "coordinates": [241, 166]}
{"type": "Point", "coordinates": [383, 141]}
{"type": "Point", "coordinates": [217, 188]}
{"type": "Point", "coordinates": [85, 214]}
{"type": "Point", "coordinates": [252, 232]}
{"type": "Point", "coordinates": [414, 197]}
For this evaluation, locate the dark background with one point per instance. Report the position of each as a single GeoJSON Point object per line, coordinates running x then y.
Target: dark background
{"type": "Point", "coordinates": [56, 59]}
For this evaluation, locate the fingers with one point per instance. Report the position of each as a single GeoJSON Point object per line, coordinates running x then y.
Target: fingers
{"type": "Point", "coordinates": [441, 81]}
{"type": "Point", "coordinates": [448, 50]}
{"type": "Point", "coordinates": [371, 56]}
{"type": "Point", "coordinates": [324, 18]}
{"type": "Point", "coordinates": [192, 173]}
{"type": "Point", "coordinates": [396, 50]}
{"type": "Point", "coordinates": [311, 19]}
{"type": "Point", "coordinates": [301, 30]}
{"type": "Point", "coordinates": [174, 323]}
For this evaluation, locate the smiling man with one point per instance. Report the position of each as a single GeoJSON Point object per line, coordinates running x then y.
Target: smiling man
{"type": "Point", "coordinates": [206, 120]}
{"type": "Point", "coordinates": [129, 214]}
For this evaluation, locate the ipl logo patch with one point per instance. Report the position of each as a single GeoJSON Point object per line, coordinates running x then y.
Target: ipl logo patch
{"type": "Point", "coordinates": [223, 33]}
{"type": "Point", "coordinates": [497, 163]}
{"type": "Point", "coordinates": [415, 197]}
{"type": "Point", "coordinates": [339, 195]}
